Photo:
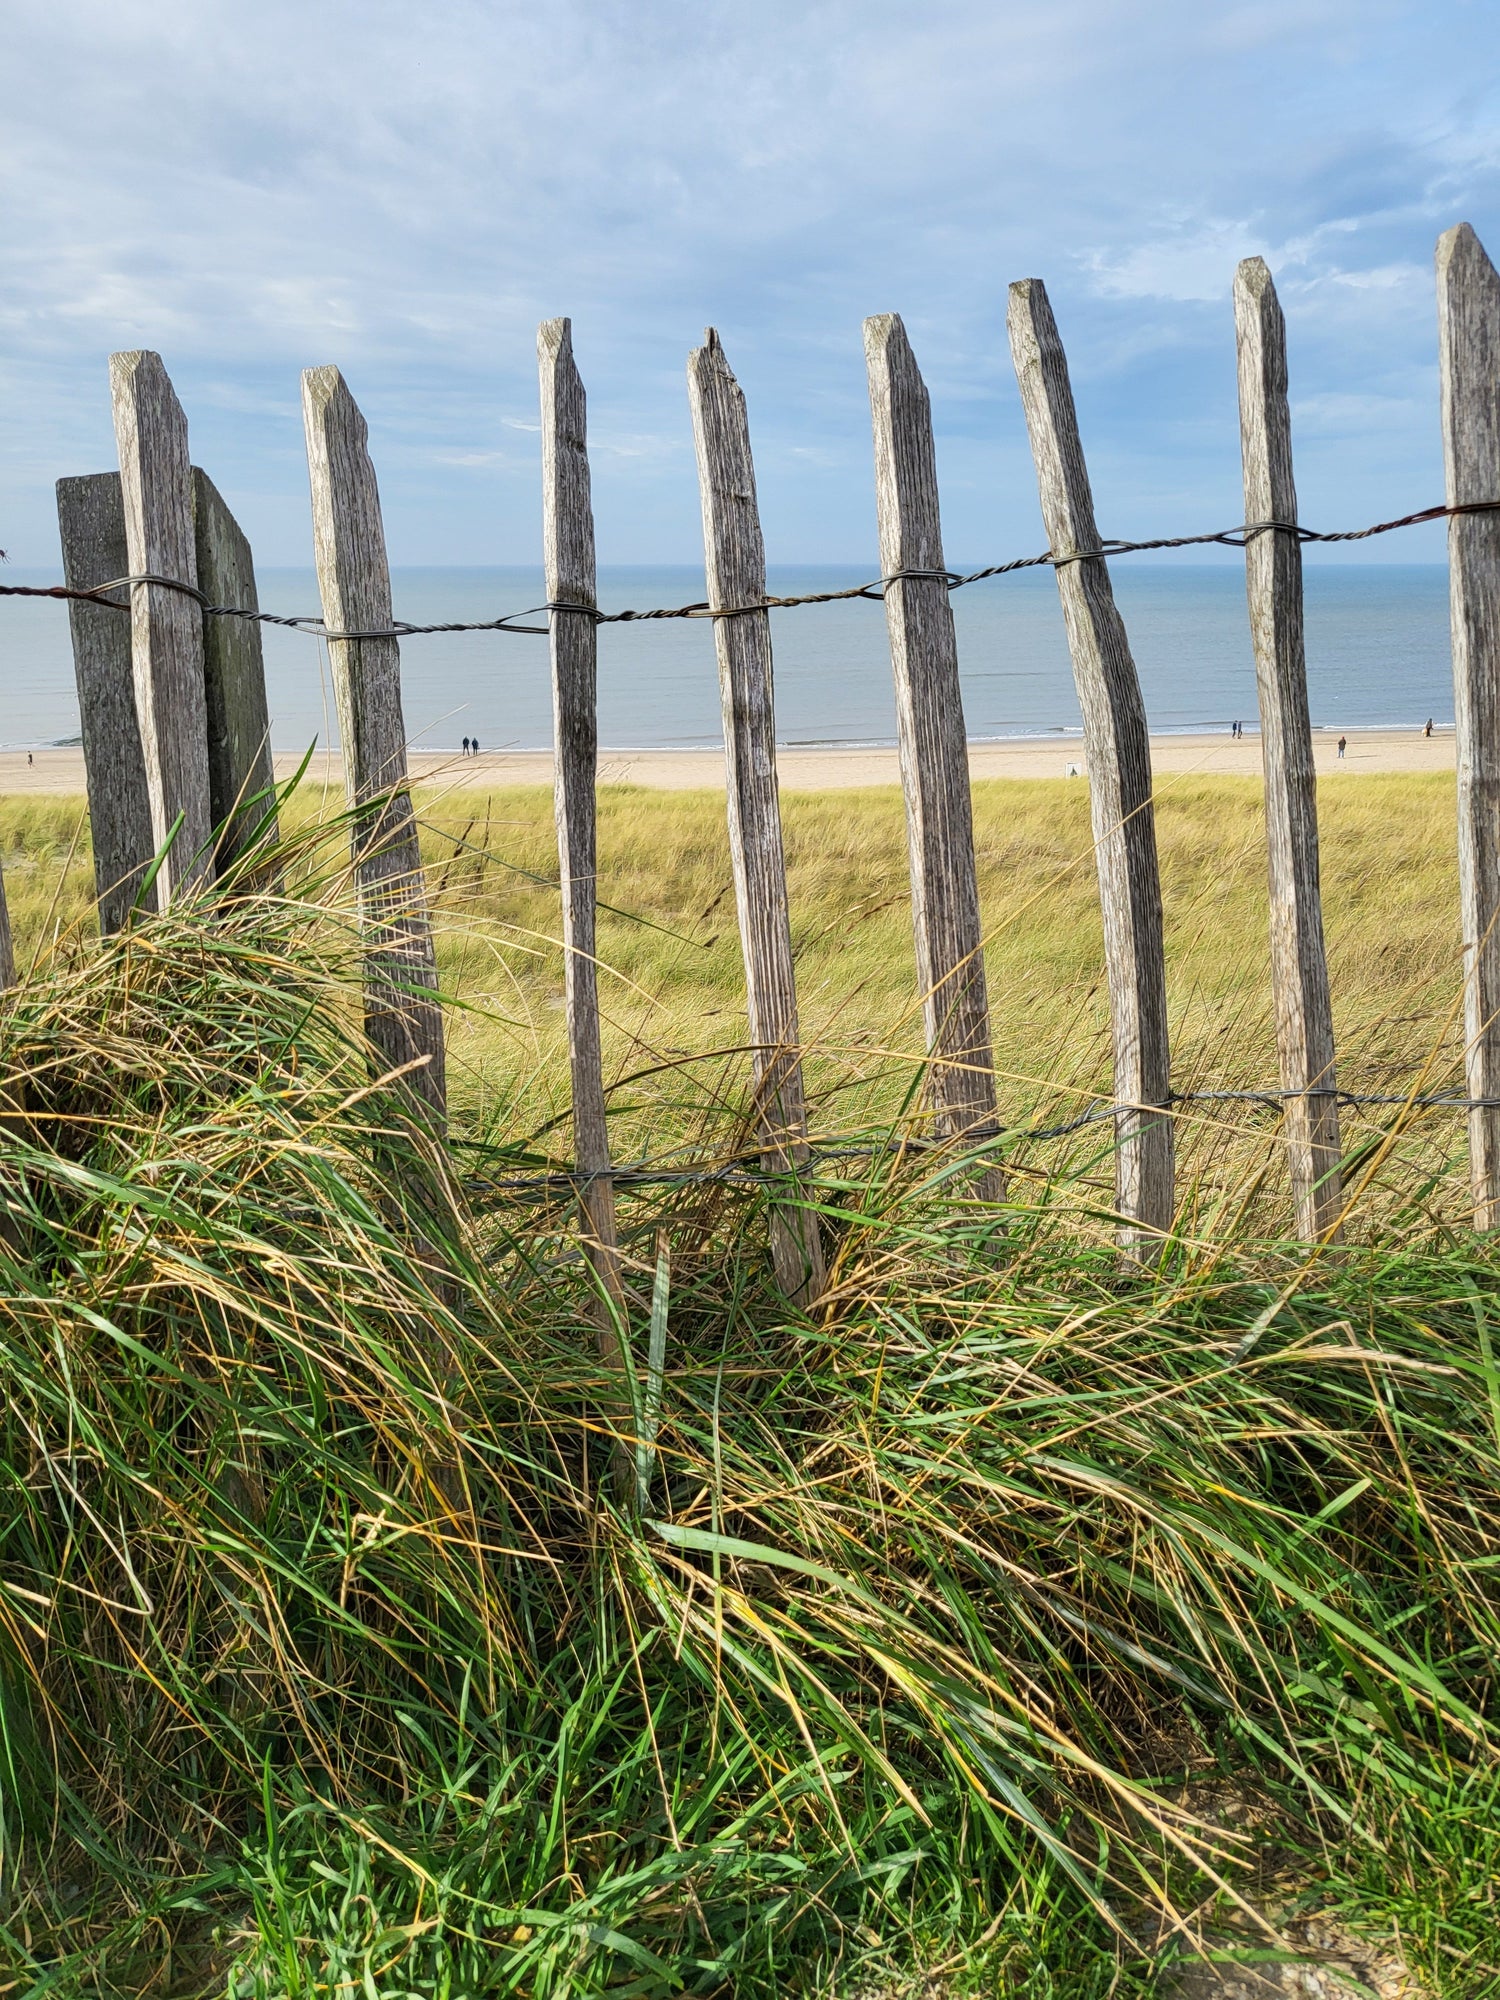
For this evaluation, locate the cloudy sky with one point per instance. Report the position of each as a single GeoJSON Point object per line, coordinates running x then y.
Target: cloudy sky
{"type": "Point", "coordinates": [406, 190]}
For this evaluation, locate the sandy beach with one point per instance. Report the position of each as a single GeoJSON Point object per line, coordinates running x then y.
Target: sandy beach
{"type": "Point", "coordinates": [825, 768]}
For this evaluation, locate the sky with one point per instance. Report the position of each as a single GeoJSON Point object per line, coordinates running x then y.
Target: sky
{"type": "Point", "coordinates": [406, 190]}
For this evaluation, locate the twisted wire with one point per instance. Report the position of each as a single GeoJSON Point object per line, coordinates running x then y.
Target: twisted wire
{"type": "Point", "coordinates": [645, 1174]}
{"type": "Point", "coordinates": [873, 592]}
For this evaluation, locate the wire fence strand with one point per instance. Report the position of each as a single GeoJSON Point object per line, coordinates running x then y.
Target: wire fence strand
{"type": "Point", "coordinates": [565, 1181]}
{"type": "Point", "coordinates": [873, 591]}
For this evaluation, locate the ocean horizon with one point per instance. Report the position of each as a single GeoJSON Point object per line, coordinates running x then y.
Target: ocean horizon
{"type": "Point", "coordinates": [1377, 649]}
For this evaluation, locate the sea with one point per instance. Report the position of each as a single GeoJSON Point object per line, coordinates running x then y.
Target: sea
{"type": "Point", "coordinates": [1377, 657]}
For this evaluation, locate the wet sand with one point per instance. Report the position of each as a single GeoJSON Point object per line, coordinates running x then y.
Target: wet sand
{"type": "Point", "coordinates": [827, 769]}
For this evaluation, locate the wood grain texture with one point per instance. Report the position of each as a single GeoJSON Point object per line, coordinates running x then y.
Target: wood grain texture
{"type": "Point", "coordinates": [240, 772]}
{"type": "Point", "coordinates": [91, 522]}
{"type": "Point", "coordinates": [932, 745]}
{"type": "Point", "coordinates": [402, 1016]}
{"type": "Point", "coordinates": [1468, 290]}
{"type": "Point", "coordinates": [1119, 761]}
{"type": "Point", "coordinates": [7, 943]}
{"type": "Point", "coordinates": [568, 560]}
{"type": "Point", "coordinates": [735, 561]}
{"type": "Point", "coordinates": [166, 625]}
{"type": "Point", "coordinates": [1273, 583]}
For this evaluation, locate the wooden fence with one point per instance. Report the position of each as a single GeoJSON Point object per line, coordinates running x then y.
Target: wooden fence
{"type": "Point", "coordinates": [176, 736]}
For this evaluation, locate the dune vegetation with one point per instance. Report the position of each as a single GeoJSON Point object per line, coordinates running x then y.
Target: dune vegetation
{"type": "Point", "coordinates": [337, 1656]}
{"type": "Point", "coordinates": [672, 981]}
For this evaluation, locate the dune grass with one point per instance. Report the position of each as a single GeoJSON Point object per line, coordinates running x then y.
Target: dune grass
{"type": "Point", "coordinates": [672, 979]}
{"type": "Point", "coordinates": [331, 1661]}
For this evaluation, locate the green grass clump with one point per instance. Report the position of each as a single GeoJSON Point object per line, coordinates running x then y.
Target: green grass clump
{"type": "Point", "coordinates": [331, 1659]}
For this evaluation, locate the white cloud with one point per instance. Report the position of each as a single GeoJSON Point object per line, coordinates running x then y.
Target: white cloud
{"type": "Point", "coordinates": [1194, 260]}
{"type": "Point", "coordinates": [409, 190]}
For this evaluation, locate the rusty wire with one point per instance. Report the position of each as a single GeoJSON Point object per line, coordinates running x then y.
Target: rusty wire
{"type": "Point", "coordinates": [565, 1181]}
{"type": "Point", "coordinates": [874, 591]}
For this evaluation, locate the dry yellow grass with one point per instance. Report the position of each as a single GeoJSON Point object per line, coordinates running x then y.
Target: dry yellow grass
{"type": "Point", "coordinates": [673, 991]}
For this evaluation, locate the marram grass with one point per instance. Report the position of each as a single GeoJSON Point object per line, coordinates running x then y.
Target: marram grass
{"type": "Point", "coordinates": [331, 1662]}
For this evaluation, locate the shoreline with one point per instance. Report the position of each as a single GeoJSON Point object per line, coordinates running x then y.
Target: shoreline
{"type": "Point", "coordinates": [823, 767]}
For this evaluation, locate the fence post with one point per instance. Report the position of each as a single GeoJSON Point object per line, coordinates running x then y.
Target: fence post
{"type": "Point", "coordinates": [402, 1016]}
{"type": "Point", "coordinates": [1119, 760]}
{"type": "Point", "coordinates": [1273, 583]}
{"type": "Point", "coordinates": [166, 625]}
{"type": "Point", "coordinates": [91, 523]}
{"type": "Point", "coordinates": [239, 728]}
{"type": "Point", "coordinates": [933, 744]}
{"type": "Point", "coordinates": [736, 567]}
{"type": "Point", "coordinates": [568, 559]}
{"type": "Point", "coordinates": [1468, 291]}
{"type": "Point", "coordinates": [7, 944]}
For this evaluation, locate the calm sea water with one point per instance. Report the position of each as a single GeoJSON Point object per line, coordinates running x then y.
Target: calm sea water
{"type": "Point", "coordinates": [1377, 641]}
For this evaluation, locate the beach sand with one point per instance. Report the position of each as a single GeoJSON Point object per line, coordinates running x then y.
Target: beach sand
{"type": "Point", "coordinates": [827, 769]}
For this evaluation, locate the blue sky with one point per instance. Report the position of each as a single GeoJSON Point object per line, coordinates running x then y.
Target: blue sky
{"type": "Point", "coordinates": [407, 189]}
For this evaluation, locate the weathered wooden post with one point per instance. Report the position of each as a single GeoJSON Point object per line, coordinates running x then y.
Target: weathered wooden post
{"type": "Point", "coordinates": [1119, 760]}
{"type": "Point", "coordinates": [932, 743]}
{"type": "Point", "coordinates": [166, 624]}
{"type": "Point", "coordinates": [735, 561]}
{"type": "Point", "coordinates": [568, 559]}
{"type": "Point", "coordinates": [1468, 290]}
{"type": "Point", "coordinates": [7, 945]}
{"type": "Point", "coordinates": [240, 769]}
{"type": "Point", "coordinates": [402, 1016]}
{"type": "Point", "coordinates": [91, 521]}
{"type": "Point", "coordinates": [1273, 581]}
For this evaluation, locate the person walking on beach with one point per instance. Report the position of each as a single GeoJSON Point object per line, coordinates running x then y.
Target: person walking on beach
{"type": "Point", "coordinates": [466, 746]}
{"type": "Point", "coordinates": [1343, 744]}
{"type": "Point", "coordinates": [1428, 730]}
{"type": "Point", "coordinates": [475, 751]}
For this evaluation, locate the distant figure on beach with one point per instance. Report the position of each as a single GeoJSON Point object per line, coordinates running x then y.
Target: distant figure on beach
{"type": "Point", "coordinates": [475, 751]}
{"type": "Point", "coordinates": [466, 746]}
{"type": "Point", "coordinates": [28, 753]}
{"type": "Point", "coordinates": [1428, 730]}
{"type": "Point", "coordinates": [1343, 744]}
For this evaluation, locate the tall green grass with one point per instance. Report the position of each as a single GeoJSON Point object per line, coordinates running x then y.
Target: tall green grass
{"type": "Point", "coordinates": [330, 1660]}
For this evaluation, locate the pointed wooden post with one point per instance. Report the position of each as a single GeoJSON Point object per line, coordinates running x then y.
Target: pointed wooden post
{"type": "Point", "coordinates": [736, 566]}
{"type": "Point", "coordinates": [568, 559]}
{"type": "Point", "coordinates": [1468, 290]}
{"type": "Point", "coordinates": [933, 744]}
{"type": "Point", "coordinates": [240, 771]}
{"type": "Point", "coordinates": [1119, 760]}
{"type": "Point", "coordinates": [1273, 581]}
{"type": "Point", "coordinates": [402, 1016]}
{"type": "Point", "coordinates": [166, 624]}
{"type": "Point", "coordinates": [91, 522]}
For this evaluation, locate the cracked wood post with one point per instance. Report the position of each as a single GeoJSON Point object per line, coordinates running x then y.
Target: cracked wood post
{"type": "Point", "coordinates": [933, 746]}
{"type": "Point", "coordinates": [240, 772]}
{"type": "Point", "coordinates": [736, 568]}
{"type": "Point", "coordinates": [1468, 291]}
{"type": "Point", "coordinates": [91, 524]}
{"type": "Point", "coordinates": [568, 559]}
{"type": "Point", "coordinates": [166, 625]}
{"type": "Point", "coordinates": [403, 1018]}
{"type": "Point", "coordinates": [1273, 582]}
{"type": "Point", "coordinates": [7, 945]}
{"type": "Point", "coordinates": [1119, 760]}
